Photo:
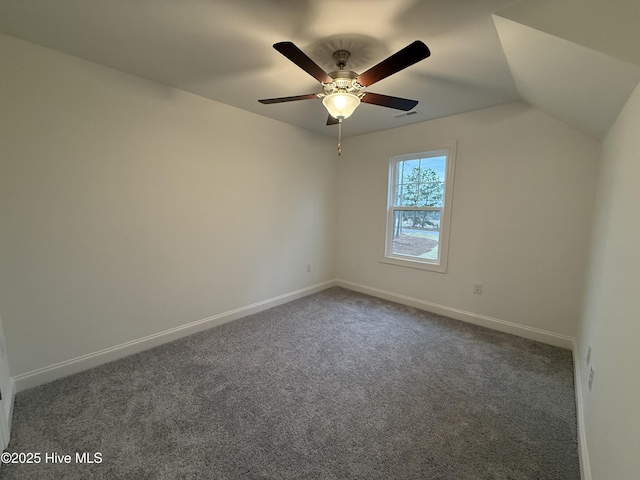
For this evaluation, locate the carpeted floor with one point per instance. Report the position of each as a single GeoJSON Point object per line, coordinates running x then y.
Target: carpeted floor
{"type": "Point", "coordinates": [337, 385]}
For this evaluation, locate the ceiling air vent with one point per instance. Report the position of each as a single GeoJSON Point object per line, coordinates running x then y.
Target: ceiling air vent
{"type": "Point", "coordinates": [407, 114]}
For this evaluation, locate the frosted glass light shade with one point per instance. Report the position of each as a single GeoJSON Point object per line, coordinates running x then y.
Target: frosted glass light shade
{"type": "Point", "coordinates": [341, 105]}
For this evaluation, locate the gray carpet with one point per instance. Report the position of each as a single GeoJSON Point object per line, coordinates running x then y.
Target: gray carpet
{"type": "Point", "coordinates": [337, 385]}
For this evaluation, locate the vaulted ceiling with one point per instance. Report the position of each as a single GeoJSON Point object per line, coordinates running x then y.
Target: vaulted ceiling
{"type": "Point", "coordinates": [575, 59]}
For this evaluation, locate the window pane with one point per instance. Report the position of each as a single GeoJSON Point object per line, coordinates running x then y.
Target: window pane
{"type": "Point", "coordinates": [406, 168]}
{"type": "Point", "coordinates": [416, 233]}
{"type": "Point", "coordinates": [409, 196]}
{"type": "Point", "coordinates": [431, 194]}
{"type": "Point", "coordinates": [420, 182]}
{"type": "Point", "coordinates": [437, 164]}
{"type": "Point", "coordinates": [398, 196]}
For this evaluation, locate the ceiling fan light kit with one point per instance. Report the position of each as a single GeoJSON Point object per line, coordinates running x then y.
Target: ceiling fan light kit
{"type": "Point", "coordinates": [343, 90]}
{"type": "Point", "coordinates": [341, 105]}
{"type": "Point", "coordinates": [342, 96]}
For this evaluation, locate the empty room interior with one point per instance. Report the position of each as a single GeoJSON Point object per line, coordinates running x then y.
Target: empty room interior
{"type": "Point", "coordinates": [202, 276]}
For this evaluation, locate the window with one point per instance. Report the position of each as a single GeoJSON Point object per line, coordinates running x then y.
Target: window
{"type": "Point", "coordinates": [419, 208]}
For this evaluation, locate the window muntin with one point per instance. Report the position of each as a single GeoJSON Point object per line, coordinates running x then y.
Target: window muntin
{"type": "Point", "coordinates": [419, 208]}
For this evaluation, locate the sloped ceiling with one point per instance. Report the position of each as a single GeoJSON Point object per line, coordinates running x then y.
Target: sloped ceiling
{"type": "Point", "coordinates": [575, 59]}
{"type": "Point", "coordinates": [606, 26]}
{"type": "Point", "coordinates": [579, 86]}
{"type": "Point", "coordinates": [544, 52]}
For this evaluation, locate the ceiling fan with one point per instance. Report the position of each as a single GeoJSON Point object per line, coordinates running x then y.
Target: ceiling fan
{"type": "Point", "coordinates": [343, 90]}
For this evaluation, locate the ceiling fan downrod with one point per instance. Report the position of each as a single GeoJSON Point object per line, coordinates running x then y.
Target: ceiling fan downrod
{"type": "Point", "coordinates": [340, 57]}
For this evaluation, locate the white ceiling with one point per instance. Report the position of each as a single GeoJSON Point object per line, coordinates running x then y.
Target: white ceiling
{"type": "Point", "coordinates": [582, 87]}
{"type": "Point", "coordinates": [559, 55]}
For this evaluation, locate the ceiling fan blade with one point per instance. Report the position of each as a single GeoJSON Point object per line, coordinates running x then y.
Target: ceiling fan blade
{"type": "Point", "coordinates": [388, 101]}
{"type": "Point", "coordinates": [331, 120]}
{"type": "Point", "coordinates": [268, 101]}
{"type": "Point", "coordinates": [297, 56]}
{"type": "Point", "coordinates": [406, 57]}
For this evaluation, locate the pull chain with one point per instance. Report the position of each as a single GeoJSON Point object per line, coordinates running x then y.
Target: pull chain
{"type": "Point", "coordinates": [339, 136]}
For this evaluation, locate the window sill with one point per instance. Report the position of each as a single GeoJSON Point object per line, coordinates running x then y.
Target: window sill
{"type": "Point", "coordinates": [405, 262]}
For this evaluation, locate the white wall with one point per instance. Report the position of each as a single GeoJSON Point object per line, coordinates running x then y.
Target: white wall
{"type": "Point", "coordinates": [611, 319]}
{"type": "Point", "coordinates": [128, 207]}
{"type": "Point", "coordinates": [522, 209]}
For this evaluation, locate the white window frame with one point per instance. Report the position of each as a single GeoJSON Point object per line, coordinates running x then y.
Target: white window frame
{"type": "Point", "coordinates": [439, 265]}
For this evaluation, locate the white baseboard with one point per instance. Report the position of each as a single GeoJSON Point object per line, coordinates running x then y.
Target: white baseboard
{"type": "Point", "coordinates": [7, 414]}
{"type": "Point", "coordinates": [585, 465]}
{"type": "Point", "coordinates": [531, 333]}
{"type": "Point", "coordinates": [74, 365]}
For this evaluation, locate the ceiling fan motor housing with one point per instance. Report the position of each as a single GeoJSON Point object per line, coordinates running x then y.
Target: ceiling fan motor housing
{"type": "Point", "coordinates": [343, 81]}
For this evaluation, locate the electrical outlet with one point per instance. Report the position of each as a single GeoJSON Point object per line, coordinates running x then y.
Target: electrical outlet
{"type": "Point", "coordinates": [308, 267]}
{"type": "Point", "coordinates": [592, 372]}
{"type": "Point", "coordinates": [589, 355]}
{"type": "Point", "coordinates": [477, 288]}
